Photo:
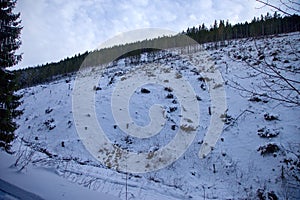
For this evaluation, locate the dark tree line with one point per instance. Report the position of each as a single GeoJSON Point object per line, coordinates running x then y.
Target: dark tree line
{"type": "Point", "coordinates": [49, 71]}
{"type": "Point", "coordinates": [258, 27]}
{"type": "Point", "coordinates": [218, 33]}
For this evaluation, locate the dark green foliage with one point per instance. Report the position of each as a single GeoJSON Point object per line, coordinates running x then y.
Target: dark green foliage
{"type": "Point", "coordinates": [48, 72]}
{"type": "Point", "coordinates": [267, 25]}
{"type": "Point", "coordinates": [137, 52]}
{"type": "Point", "coordinates": [9, 42]}
{"type": "Point", "coordinates": [9, 34]}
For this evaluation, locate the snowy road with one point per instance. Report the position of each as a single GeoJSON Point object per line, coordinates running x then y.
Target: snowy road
{"type": "Point", "coordinates": [9, 191]}
{"type": "Point", "coordinates": [41, 182]}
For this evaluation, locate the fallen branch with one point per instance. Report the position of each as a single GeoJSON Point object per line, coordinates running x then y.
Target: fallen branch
{"type": "Point", "coordinates": [235, 119]}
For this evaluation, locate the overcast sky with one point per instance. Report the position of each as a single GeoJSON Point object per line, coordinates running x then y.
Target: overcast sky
{"type": "Point", "coordinates": [55, 29]}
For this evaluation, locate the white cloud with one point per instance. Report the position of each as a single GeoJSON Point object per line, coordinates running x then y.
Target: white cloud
{"type": "Point", "coordinates": [55, 29]}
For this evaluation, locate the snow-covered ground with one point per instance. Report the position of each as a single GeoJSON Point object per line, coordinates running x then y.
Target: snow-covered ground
{"type": "Point", "coordinates": [40, 183]}
{"type": "Point", "coordinates": [48, 143]}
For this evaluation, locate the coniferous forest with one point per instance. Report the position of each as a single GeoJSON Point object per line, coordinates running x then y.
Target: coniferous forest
{"type": "Point", "coordinates": [218, 33]}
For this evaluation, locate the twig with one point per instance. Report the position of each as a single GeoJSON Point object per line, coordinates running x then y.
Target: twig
{"type": "Point", "coordinates": [272, 6]}
{"type": "Point", "coordinates": [231, 123]}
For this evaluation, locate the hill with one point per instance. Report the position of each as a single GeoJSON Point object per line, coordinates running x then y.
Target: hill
{"type": "Point", "coordinates": [255, 157]}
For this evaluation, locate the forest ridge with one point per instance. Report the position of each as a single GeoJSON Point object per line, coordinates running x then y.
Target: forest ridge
{"type": "Point", "coordinates": [218, 33]}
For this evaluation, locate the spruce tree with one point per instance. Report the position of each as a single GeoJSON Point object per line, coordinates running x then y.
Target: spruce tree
{"type": "Point", "coordinates": [10, 30]}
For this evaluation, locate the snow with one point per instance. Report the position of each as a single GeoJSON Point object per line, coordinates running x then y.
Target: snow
{"type": "Point", "coordinates": [65, 124]}
{"type": "Point", "coordinates": [44, 182]}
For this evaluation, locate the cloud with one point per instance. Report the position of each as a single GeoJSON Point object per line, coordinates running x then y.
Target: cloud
{"type": "Point", "coordinates": [55, 29]}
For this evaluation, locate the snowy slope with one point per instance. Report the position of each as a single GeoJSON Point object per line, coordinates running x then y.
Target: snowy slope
{"type": "Point", "coordinates": [235, 169]}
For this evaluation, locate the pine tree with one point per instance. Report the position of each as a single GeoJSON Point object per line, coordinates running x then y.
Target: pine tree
{"type": "Point", "coordinates": [10, 30]}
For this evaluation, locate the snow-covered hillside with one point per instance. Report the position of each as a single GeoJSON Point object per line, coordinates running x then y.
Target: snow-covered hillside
{"type": "Point", "coordinates": [256, 157]}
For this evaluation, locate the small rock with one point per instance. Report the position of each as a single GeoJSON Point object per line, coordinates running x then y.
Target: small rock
{"type": "Point", "coordinates": [145, 91]}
